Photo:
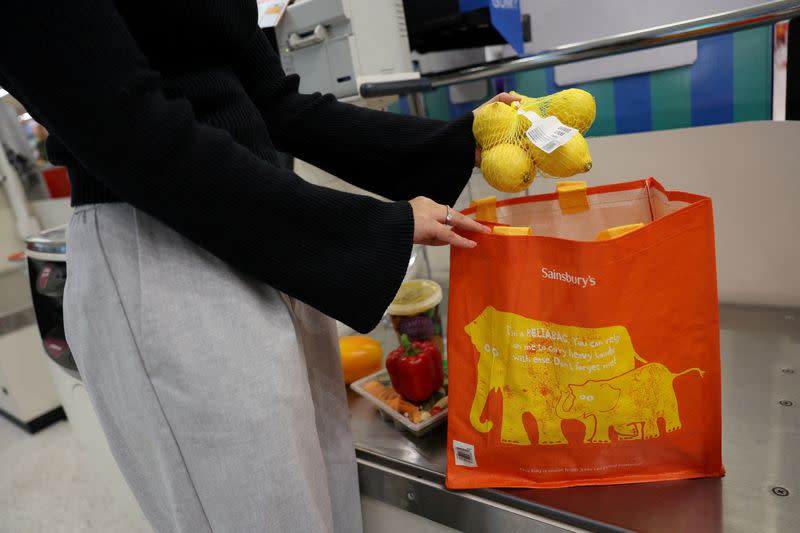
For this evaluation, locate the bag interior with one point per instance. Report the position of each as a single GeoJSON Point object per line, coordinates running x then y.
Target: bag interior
{"type": "Point", "coordinates": [606, 210]}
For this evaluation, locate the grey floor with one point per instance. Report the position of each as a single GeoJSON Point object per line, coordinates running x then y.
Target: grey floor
{"type": "Point", "coordinates": [47, 485]}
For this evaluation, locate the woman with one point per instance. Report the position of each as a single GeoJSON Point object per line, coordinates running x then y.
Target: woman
{"type": "Point", "coordinates": [202, 275]}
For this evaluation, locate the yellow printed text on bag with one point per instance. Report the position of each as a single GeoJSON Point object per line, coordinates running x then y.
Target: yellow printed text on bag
{"type": "Point", "coordinates": [486, 209]}
{"type": "Point", "coordinates": [572, 197]}
{"type": "Point", "coordinates": [557, 372]}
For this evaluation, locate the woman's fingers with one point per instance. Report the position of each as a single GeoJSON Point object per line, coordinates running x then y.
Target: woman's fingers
{"type": "Point", "coordinates": [506, 98]}
{"type": "Point", "coordinates": [430, 227]}
{"type": "Point", "coordinates": [461, 221]}
{"type": "Point", "coordinates": [444, 234]}
{"type": "Point", "coordinates": [464, 222]}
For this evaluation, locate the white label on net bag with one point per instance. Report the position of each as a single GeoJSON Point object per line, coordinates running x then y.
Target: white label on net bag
{"type": "Point", "coordinates": [547, 133]}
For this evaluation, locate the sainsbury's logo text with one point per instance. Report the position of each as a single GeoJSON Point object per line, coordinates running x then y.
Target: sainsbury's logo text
{"type": "Point", "coordinates": [581, 281]}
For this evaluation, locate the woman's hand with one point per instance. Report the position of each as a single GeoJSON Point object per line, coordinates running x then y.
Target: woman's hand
{"type": "Point", "coordinates": [431, 228]}
{"type": "Point", "coordinates": [430, 219]}
{"type": "Point", "coordinates": [500, 97]}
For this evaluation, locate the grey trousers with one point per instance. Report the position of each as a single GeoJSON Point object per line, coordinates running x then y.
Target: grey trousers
{"type": "Point", "coordinates": [221, 398]}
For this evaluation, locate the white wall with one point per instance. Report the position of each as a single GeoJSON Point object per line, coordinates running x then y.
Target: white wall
{"type": "Point", "coordinates": [750, 170]}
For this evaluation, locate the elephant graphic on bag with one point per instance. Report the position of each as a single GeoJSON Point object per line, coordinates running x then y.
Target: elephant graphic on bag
{"type": "Point", "coordinates": [631, 403]}
{"type": "Point", "coordinates": [531, 363]}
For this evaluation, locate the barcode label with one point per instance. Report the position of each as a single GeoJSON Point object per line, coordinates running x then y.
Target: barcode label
{"type": "Point", "coordinates": [465, 454]}
{"type": "Point", "coordinates": [547, 133]}
{"type": "Point", "coordinates": [549, 147]}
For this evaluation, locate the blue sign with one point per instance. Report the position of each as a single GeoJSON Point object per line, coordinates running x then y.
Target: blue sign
{"type": "Point", "coordinates": [505, 16]}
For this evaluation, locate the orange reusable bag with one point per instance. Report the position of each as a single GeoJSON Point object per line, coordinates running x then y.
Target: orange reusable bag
{"type": "Point", "coordinates": [576, 361]}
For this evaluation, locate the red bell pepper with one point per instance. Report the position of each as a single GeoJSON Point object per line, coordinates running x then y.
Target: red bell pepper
{"type": "Point", "coordinates": [415, 369]}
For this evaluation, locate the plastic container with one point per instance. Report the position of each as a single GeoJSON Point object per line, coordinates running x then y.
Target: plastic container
{"type": "Point", "coordinates": [387, 413]}
{"type": "Point", "coordinates": [415, 311]}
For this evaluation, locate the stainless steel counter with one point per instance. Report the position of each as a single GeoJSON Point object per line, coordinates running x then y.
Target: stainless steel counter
{"type": "Point", "coordinates": [761, 438]}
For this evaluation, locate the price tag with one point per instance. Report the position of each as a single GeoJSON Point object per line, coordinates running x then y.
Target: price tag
{"type": "Point", "coordinates": [547, 133]}
{"type": "Point", "coordinates": [270, 12]}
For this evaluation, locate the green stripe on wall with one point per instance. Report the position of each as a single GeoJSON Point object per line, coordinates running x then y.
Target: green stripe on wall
{"type": "Point", "coordinates": [752, 74]}
{"type": "Point", "coordinates": [671, 98]}
{"type": "Point", "coordinates": [437, 104]}
{"type": "Point", "coordinates": [532, 83]}
{"type": "Point", "coordinates": [605, 123]}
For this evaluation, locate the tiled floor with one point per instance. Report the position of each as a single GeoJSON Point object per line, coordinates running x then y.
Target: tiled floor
{"type": "Point", "coordinates": [47, 484]}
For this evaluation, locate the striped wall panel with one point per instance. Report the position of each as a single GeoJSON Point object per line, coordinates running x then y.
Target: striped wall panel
{"type": "Point", "coordinates": [731, 81]}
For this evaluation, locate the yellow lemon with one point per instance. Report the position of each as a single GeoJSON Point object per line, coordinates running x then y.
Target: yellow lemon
{"type": "Point", "coordinates": [565, 161]}
{"type": "Point", "coordinates": [508, 167]}
{"type": "Point", "coordinates": [493, 123]}
{"type": "Point", "coordinates": [574, 108]}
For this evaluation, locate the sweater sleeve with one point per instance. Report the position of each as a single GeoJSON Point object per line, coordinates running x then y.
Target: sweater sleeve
{"type": "Point", "coordinates": [344, 254]}
{"type": "Point", "coordinates": [396, 156]}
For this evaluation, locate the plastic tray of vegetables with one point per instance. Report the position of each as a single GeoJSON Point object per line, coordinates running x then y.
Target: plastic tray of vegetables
{"type": "Point", "coordinates": [421, 403]}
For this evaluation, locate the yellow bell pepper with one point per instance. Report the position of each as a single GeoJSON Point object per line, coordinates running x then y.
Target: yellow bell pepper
{"type": "Point", "coordinates": [360, 356]}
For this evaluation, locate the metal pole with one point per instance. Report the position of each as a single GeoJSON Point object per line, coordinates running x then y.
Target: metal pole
{"type": "Point", "coordinates": [416, 104]}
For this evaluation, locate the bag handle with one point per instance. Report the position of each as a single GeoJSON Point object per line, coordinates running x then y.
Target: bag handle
{"type": "Point", "coordinates": [486, 209]}
{"type": "Point", "coordinates": [512, 230]}
{"type": "Point", "coordinates": [618, 231]}
{"type": "Point", "coordinates": [572, 197]}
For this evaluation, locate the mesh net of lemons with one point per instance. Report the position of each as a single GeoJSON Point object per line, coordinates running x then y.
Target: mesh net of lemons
{"type": "Point", "coordinates": [535, 136]}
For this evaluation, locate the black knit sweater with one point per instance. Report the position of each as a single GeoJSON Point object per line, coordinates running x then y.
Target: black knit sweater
{"type": "Point", "coordinates": [177, 107]}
